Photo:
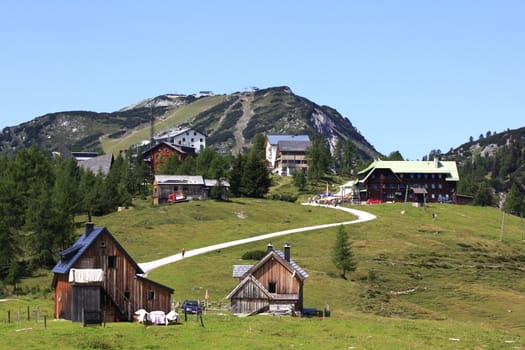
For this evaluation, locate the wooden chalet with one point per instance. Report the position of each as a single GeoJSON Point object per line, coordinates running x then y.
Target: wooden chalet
{"type": "Point", "coordinates": [411, 181]}
{"type": "Point", "coordinates": [97, 276]}
{"type": "Point", "coordinates": [158, 154]}
{"type": "Point", "coordinates": [276, 280]}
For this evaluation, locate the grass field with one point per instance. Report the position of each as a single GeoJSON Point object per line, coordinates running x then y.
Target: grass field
{"type": "Point", "coordinates": [452, 282]}
{"type": "Point", "coordinates": [179, 115]}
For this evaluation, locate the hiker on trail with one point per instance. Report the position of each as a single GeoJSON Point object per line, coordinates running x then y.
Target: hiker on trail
{"type": "Point", "coordinates": [183, 251]}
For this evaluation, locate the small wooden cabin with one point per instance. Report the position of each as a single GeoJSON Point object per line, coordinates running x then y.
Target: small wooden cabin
{"type": "Point", "coordinates": [274, 280]}
{"type": "Point", "coordinates": [97, 275]}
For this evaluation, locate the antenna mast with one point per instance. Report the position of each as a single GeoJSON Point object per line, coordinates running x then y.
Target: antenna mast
{"type": "Point", "coordinates": [151, 125]}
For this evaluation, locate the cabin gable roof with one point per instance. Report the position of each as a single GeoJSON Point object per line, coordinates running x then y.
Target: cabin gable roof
{"type": "Point", "coordinates": [70, 256]}
{"type": "Point", "coordinates": [278, 255]}
{"type": "Point", "coordinates": [250, 279]}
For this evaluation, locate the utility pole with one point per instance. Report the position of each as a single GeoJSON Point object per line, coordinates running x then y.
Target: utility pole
{"type": "Point", "coordinates": [502, 225]}
{"type": "Point", "coordinates": [151, 126]}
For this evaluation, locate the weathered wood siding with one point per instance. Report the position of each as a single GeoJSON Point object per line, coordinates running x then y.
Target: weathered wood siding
{"type": "Point", "coordinates": [121, 286]}
{"type": "Point", "coordinates": [275, 272]}
{"type": "Point", "coordinates": [62, 297]}
{"type": "Point", "coordinates": [248, 299]}
{"type": "Point", "coordinates": [84, 298]}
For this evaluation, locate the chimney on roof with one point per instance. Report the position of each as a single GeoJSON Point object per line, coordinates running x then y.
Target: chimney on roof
{"type": "Point", "coordinates": [287, 252]}
{"type": "Point", "coordinates": [89, 225]}
{"type": "Point", "coordinates": [269, 248]}
{"type": "Point", "coordinates": [436, 162]}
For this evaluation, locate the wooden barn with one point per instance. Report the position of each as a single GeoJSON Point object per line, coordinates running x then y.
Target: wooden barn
{"type": "Point", "coordinates": [274, 281]}
{"type": "Point", "coordinates": [97, 276]}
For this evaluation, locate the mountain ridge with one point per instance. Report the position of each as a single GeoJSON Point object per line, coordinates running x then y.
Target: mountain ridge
{"type": "Point", "coordinates": [230, 121]}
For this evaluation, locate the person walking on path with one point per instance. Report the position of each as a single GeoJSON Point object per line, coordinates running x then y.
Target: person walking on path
{"type": "Point", "coordinates": [183, 251]}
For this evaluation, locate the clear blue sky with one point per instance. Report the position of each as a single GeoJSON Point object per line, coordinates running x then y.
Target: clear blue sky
{"type": "Point", "coordinates": [410, 75]}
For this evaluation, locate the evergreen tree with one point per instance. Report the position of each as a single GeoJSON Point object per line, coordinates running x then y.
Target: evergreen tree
{"type": "Point", "coordinates": [299, 180]}
{"type": "Point", "coordinates": [342, 255]}
{"type": "Point", "coordinates": [255, 179]}
{"type": "Point", "coordinates": [346, 157]}
{"type": "Point", "coordinates": [66, 201]}
{"type": "Point", "coordinates": [10, 221]}
{"type": "Point", "coordinates": [514, 203]}
{"type": "Point", "coordinates": [483, 196]}
{"type": "Point", "coordinates": [319, 159]}
{"type": "Point", "coordinates": [235, 177]}
{"type": "Point", "coordinates": [41, 223]}
{"type": "Point", "coordinates": [395, 155]}
{"type": "Point", "coordinates": [258, 145]}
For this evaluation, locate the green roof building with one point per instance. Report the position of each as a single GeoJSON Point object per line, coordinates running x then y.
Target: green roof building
{"type": "Point", "coordinates": [412, 181]}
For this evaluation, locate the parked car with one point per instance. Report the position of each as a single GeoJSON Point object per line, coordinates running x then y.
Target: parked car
{"type": "Point", "coordinates": [191, 307]}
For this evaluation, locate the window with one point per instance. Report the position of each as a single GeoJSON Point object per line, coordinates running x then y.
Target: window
{"type": "Point", "coordinates": [151, 295]}
{"type": "Point", "coordinates": [103, 244]}
{"type": "Point", "coordinates": [271, 287]}
{"type": "Point", "coordinates": [112, 261]}
{"type": "Point", "coordinates": [200, 140]}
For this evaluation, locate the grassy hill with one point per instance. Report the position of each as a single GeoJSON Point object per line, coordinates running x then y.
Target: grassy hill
{"type": "Point", "coordinates": [456, 281]}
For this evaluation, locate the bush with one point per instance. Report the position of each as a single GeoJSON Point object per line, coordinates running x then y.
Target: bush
{"type": "Point", "coordinates": [285, 197]}
{"type": "Point", "coordinates": [253, 255]}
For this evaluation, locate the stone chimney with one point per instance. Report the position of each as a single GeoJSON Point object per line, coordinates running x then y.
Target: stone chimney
{"type": "Point", "coordinates": [269, 248]}
{"type": "Point", "coordinates": [287, 252]}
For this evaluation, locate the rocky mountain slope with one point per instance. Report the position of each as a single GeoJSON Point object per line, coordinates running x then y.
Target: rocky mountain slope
{"type": "Point", "coordinates": [230, 121]}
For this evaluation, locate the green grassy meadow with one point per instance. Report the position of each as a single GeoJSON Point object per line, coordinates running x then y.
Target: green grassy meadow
{"type": "Point", "coordinates": [179, 115]}
{"type": "Point", "coordinates": [455, 281]}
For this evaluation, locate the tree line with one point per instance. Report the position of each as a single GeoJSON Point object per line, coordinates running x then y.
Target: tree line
{"type": "Point", "coordinates": [41, 195]}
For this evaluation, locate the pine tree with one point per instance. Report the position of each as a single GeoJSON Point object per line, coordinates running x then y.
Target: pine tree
{"type": "Point", "coordinates": [235, 177]}
{"type": "Point", "coordinates": [342, 255]}
{"type": "Point", "coordinates": [319, 159]}
{"type": "Point", "coordinates": [514, 203]}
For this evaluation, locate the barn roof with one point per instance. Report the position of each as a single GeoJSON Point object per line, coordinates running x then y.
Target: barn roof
{"type": "Point", "coordinates": [154, 283]}
{"type": "Point", "coordinates": [176, 148]}
{"type": "Point", "coordinates": [70, 256]}
{"type": "Point", "coordinates": [248, 279]}
{"type": "Point", "coordinates": [243, 270]}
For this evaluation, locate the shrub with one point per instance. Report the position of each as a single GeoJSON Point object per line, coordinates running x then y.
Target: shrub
{"type": "Point", "coordinates": [253, 255]}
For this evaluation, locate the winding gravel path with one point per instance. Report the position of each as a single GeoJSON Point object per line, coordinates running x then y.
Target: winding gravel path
{"type": "Point", "coordinates": [362, 216]}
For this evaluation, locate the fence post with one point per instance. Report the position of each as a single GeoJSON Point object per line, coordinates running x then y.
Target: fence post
{"type": "Point", "coordinates": [8, 316]}
{"type": "Point", "coordinates": [28, 314]}
{"type": "Point", "coordinates": [45, 321]}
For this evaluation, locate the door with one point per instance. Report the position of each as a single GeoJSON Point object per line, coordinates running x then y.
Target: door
{"type": "Point", "coordinates": [84, 298]}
